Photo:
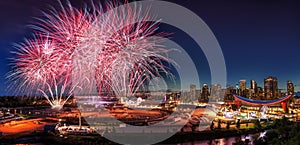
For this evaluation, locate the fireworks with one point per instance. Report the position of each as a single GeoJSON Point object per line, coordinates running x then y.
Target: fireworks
{"type": "Point", "coordinates": [116, 51]}
{"type": "Point", "coordinates": [129, 56]}
{"type": "Point", "coordinates": [37, 61]}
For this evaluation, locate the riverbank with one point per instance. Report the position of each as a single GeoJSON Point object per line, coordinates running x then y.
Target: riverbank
{"type": "Point", "coordinates": [46, 138]}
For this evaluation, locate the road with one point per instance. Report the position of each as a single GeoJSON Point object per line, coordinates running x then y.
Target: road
{"type": "Point", "coordinates": [22, 126]}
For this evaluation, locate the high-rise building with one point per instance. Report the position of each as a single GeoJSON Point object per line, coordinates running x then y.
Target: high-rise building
{"type": "Point", "coordinates": [290, 91]}
{"type": "Point", "coordinates": [290, 88]}
{"type": "Point", "coordinates": [242, 88]}
{"type": "Point", "coordinates": [253, 89]}
{"type": "Point", "coordinates": [243, 84]}
{"type": "Point", "coordinates": [198, 94]}
{"type": "Point", "coordinates": [193, 94]}
{"type": "Point", "coordinates": [185, 96]}
{"type": "Point", "coordinates": [253, 85]}
{"type": "Point", "coordinates": [260, 94]}
{"type": "Point", "coordinates": [204, 94]}
{"type": "Point", "coordinates": [271, 88]}
{"type": "Point", "coordinates": [216, 92]}
{"type": "Point", "coordinates": [229, 92]}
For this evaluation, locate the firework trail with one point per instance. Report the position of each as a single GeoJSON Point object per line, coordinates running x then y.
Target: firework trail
{"type": "Point", "coordinates": [131, 54]}
{"type": "Point", "coordinates": [55, 95]}
{"type": "Point", "coordinates": [116, 51]}
{"type": "Point", "coordinates": [37, 61]}
{"type": "Point", "coordinates": [66, 25]}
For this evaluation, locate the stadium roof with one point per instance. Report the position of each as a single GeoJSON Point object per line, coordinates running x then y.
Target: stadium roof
{"type": "Point", "coordinates": [261, 102]}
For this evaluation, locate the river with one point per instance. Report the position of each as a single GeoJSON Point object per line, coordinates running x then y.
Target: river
{"type": "Point", "coordinates": [223, 141]}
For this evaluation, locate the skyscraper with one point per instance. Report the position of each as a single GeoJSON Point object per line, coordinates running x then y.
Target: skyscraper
{"type": "Point", "coordinates": [243, 84]}
{"type": "Point", "coordinates": [216, 92]}
{"type": "Point", "coordinates": [193, 95]}
{"type": "Point", "coordinates": [229, 94]}
{"type": "Point", "coordinates": [290, 88]}
{"type": "Point", "coordinates": [253, 85]}
{"type": "Point", "coordinates": [253, 89]}
{"type": "Point", "coordinates": [271, 88]}
{"type": "Point", "coordinates": [204, 94]}
{"type": "Point", "coordinates": [290, 91]}
{"type": "Point", "coordinates": [260, 93]}
{"type": "Point", "coordinates": [242, 88]}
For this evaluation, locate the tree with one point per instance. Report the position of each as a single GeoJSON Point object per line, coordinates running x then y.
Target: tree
{"type": "Point", "coordinates": [272, 135]}
{"type": "Point", "coordinates": [212, 126]}
{"type": "Point", "coordinates": [227, 125]}
{"type": "Point", "coordinates": [257, 124]}
{"type": "Point", "coordinates": [238, 124]}
{"type": "Point", "coordinates": [219, 124]}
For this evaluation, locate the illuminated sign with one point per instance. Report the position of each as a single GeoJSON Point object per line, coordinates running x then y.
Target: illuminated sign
{"type": "Point", "coordinates": [298, 117]}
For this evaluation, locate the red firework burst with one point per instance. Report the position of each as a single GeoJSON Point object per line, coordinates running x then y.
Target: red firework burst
{"type": "Point", "coordinates": [117, 51]}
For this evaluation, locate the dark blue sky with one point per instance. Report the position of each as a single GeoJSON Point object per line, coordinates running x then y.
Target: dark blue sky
{"type": "Point", "coordinates": [258, 38]}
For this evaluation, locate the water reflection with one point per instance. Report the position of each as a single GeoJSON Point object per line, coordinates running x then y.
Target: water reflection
{"type": "Point", "coordinates": [223, 141]}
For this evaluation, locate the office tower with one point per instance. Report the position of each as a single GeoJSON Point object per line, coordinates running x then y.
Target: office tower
{"type": "Point", "coordinates": [243, 84]}
{"type": "Point", "coordinates": [215, 92]}
{"type": "Point", "coordinates": [193, 95]}
{"type": "Point", "coordinates": [260, 94]}
{"type": "Point", "coordinates": [290, 88]}
{"type": "Point", "coordinates": [205, 93]}
{"type": "Point", "coordinates": [229, 94]}
{"type": "Point", "coordinates": [242, 88]}
{"type": "Point", "coordinates": [290, 91]}
{"type": "Point", "coordinates": [254, 86]}
{"type": "Point", "coordinates": [253, 90]}
{"type": "Point", "coordinates": [271, 88]}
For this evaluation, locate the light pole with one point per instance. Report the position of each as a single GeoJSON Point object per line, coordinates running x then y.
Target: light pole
{"type": "Point", "coordinates": [79, 117]}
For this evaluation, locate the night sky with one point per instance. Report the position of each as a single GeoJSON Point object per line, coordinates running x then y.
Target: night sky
{"type": "Point", "coordinates": [258, 38]}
